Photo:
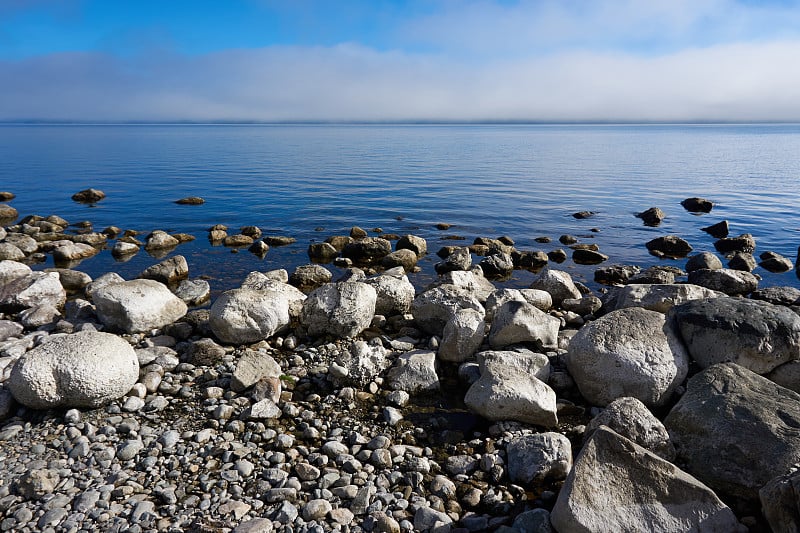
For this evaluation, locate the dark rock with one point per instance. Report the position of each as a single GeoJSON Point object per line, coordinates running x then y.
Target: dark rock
{"type": "Point", "coordinates": [339, 241]}
{"type": "Point", "coordinates": [168, 272]}
{"type": "Point", "coordinates": [703, 260]}
{"type": "Point", "coordinates": [357, 233]}
{"type": "Point", "coordinates": [88, 196]}
{"type": "Point", "coordinates": [309, 277]}
{"type": "Point", "coordinates": [276, 240]}
{"type": "Point", "coordinates": [497, 266]}
{"type": "Point", "coordinates": [588, 257]}
{"type": "Point", "coordinates": [780, 501]}
{"type": "Point", "coordinates": [543, 240]}
{"type": "Point", "coordinates": [615, 274]}
{"type": "Point", "coordinates": [251, 231]}
{"type": "Point", "coordinates": [566, 240]}
{"type": "Point", "coordinates": [237, 240]}
{"type": "Point", "coordinates": [583, 214]}
{"type": "Point", "coordinates": [557, 256]}
{"type": "Point", "coordinates": [778, 295]}
{"type": "Point", "coordinates": [322, 252]}
{"type": "Point", "coordinates": [742, 261]}
{"type": "Point", "coordinates": [774, 262]}
{"type": "Point", "coordinates": [731, 282]}
{"type": "Point", "coordinates": [458, 259]}
{"type": "Point", "coordinates": [654, 275]}
{"type": "Point", "coordinates": [670, 246]}
{"type": "Point", "coordinates": [190, 200]}
{"type": "Point", "coordinates": [6, 196]}
{"type": "Point", "coordinates": [697, 205]}
{"type": "Point", "coordinates": [735, 430]}
{"type": "Point", "coordinates": [652, 216]}
{"type": "Point", "coordinates": [744, 243]}
{"type": "Point", "coordinates": [442, 226]}
{"type": "Point", "coordinates": [259, 248]}
{"type": "Point", "coordinates": [533, 261]}
{"type": "Point", "coordinates": [418, 245]}
{"type": "Point", "coordinates": [403, 258]}
{"type": "Point", "coordinates": [367, 250]}
{"type": "Point", "coordinates": [719, 230]}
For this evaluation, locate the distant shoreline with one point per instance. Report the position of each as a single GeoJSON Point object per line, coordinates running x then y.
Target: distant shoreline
{"type": "Point", "coordinates": [29, 122]}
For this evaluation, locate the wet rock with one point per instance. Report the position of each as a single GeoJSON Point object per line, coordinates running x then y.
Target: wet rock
{"type": "Point", "coordinates": [697, 205]}
{"type": "Point", "coordinates": [756, 335]}
{"type": "Point", "coordinates": [630, 352]}
{"type": "Point", "coordinates": [86, 369]}
{"type": "Point", "coordinates": [615, 274]}
{"type": "Point", "coordinates": [414, 372]}
{"type": "Point", "coordinates": [533, 261]}
{"type": "Point", "coordinates": [70, 252]}
{"type": "Point", "coordinates": [616, 485]}
{"type": "Point", "coordinates": [279, 240]}
{"type": "Point", "coordinates": [670, 246]}
{"type": "Point", "coordinates": [123, 249]}
{"type": "Point", "coordinates": [518, 322]}
{"type": "Point", "coordinates": [735, 430]}
{"type": "Point", "coordinates": [744, 243]}
{"type": "Point", "coordinates": [580, 215]}
{"type": "Point", "coordinates": [35, 288]}
{"type": "Point", "coordinates": [241, 316]}
{"type": "Point", "coordinates": [775, 263]}
{"type": "Point", "coordinates": [567, 239]}
{"type": "Point", "coordinates": [652, 216]}
{"type": "Point", "coordinates": [238, 240]}
{"type": "Point", "coordinates": [588, 257]}
{"type": "Point", "coordinates": [88, 196]}
{"type": "Point", "coordinates": [742, 261]}
{"type": "Point", "coordinates": [458, 259]}
{"type": "Point", "coordinates": [630, 418]}
{"type": "Point", "coordinates": [190, 200]}
{"type": "Point", "coordinates": [435, 307]}
{"type": "Point", "coordinates": [169, 272]}
{"type": "Point", "coordinates": [160, 240]}
{"type": "Point", "coordinates": [497, 266]}
{"type": "Point", "coordinates": [539, 457]}
{"type": "Point", "coordinates": [193, 292]}
{"type": "Point", "coordinates": [462, 336]}
{"type": "Point", "coordinates": [9, 252]}
{"type": "Point", "coordinates": [657, 297]}
{"type": "Point", "coordinates": [719, 230]}
{"type": "Point", "coordinates": [394, 292]}
{"type": "Point", "coordinates": [138, 305]}
{"type": "Point", "coordinates": [418, 245]}
{"type": "Point", "coordinates": [339, 309]}
{"type": "Point", "coordinates": [558, 283]}
{"type": "Point", "coordinates": [367, 250]}
{"type": "Point", "coordinates": [401, 258]}
{"type": "Point", "coordinates": [703, 260]}
{"type": "Point", "coordinates": [731, 282]}
{"type": "Point", "coordinates": [322, 252]}
{"type": "Point", "coordinates": [309, 277]}
{"type": "Point", "coordinates": [6, 196]}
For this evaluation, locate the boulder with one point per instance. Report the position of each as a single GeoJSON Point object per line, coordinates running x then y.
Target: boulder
{"type": "Point", "coordinates": [86, 369]}
{"type": "Point", "coordinates": [655, 275]}
{"type": "Point", "coordinates": [190, 200]}
{"type": "Point", "coordinates": [531, 260]}
{"type": "Point", "coordinates": [778, 295]}
{"type": "Point", "coordinates": [11, 270]}
{"type": "Point", "coordinates": [205, 352]}
{"type": "Point", "coordinates": [462, 336]}
{"type": "Point", "coordinates": [518, 322]}
{"type": "Point", "coordinates": [780, 502]}
{"type": "Point", "coordinates": [322, 252]}
{"type": "Point", "coordinates": [505, 392]}
{"type": "Point", "coordinates": [36, 288]}
{"type": "Point", "coordinates": [630, 352]}
{"type": "Point", "coordinates": [435, 307]}
{"type": "Point", "coordinates": [458, 259]}
{"type": "Point", "coordinates": [160, 240]}
{"type": "Point", "coordinates": [630, 418]}
{"type": "Point", "coordinates": [253, 367]}
{"type": "Point", "coordinates": [538, 457]}
{"type": "Point", "coordinates": [535, 364]}
{"type": "Point", "coordinates": [735, 430]}
{"type": "Point", "coordinates": [414, 372]}
{"type": "Point", "coordinates": [193, 292]}
{"type": "Point", "coordinates": [703, 260]}
{"type": "Point", "coordinates": [729, 281]}
{"type": "Point", "coordinates": [137, 306]}
{"type": "Point", "coordinates": [757, 335]}
{"type": "Point", "coordinates": [71, 252]}
{"type": "Point", "coordinates": [615, 274]}
{"type": "Point", "coordinates": [404, 258]}
{"type": "Point", "coordinates": [169, 272]}
{"type": "Point", "coordinates": [8, 213]}
{"type": "Point", "coordinates": [367, 250]}
{"type": "Point", "coordinates": [88, 196]}
{"type": "Point", "coordinates": [652, 216]}
{"type": "Point", "coordinates": [237, 240]}
{"type": "Point", "coordinates": [775, 263]}
{"type": "Point", "coordinates": [669, 246]}
{"type": "Point", "coordinates": [339, 309]}
{"type": "Point", "coordinates": [102, 281]}
{"type": "Point", "coordinates": [242, 316]}
{"type": "Point", "coordinates": [8, 329]}
{"type": "Point", "coordinates": [9, 252]}
{"type": "Point", "coordinates": [24, 242]}
{"type": "Point", "coordinates": [394, 293]}
{"type": "Point", "coordinates": [587, 305]}
{"type": "Point", "coordinates": [742, 261]}
{"type": "Point", "coordinates": [470, 280]}
{"type": "Point", "coordinates": [786, 375]}
{"type": "Point", "coordinates": [719, 230]}
{"type": "Point", "coordinates": [497, 266]}
{"type": "Point", "coordinates": [309, 277]}
{"type": "Point", "coordinates": [124, 249]}
{"type": "Point", "coordinates": [558, 283]}
{"type": "Point", "coordinates": [418, 245]}
{"type": "Point", "coordinates": [583, 256]}
{"type": "Point", "coordinates": [38, 316]}
{"type": "Point", "coordinates": [697, 205]}
{"type": "Point", "coordinates": [658, 297]}
{"type": "Point", "coordinates": [72, 280]}
{"type": "Point", "coordinates": [616, 485]}
{"type": "Point", "coordinates": [744, 243]}
{"type": "Point", "coordinates": [363, 363]}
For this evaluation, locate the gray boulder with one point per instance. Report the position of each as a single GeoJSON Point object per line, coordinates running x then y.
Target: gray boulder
{"type": "Point", "coordinates": [9, 252]}
{"type": "Point", "coordinates": [703, 260]}
{"type": "Point", "coordinates": [394, 293]}
{"type": "Point", "coordinates": [558, 283]}
{"type": "Point", "coordinates": [406, 259]}
{"type": "Point", "coordinates": [193, 292]}
{"type": "Point", "coordinates": [630, 352]}
{"type": "Point", "coordinates": [11, 270]}
{"type": "Point", "coordinates": [616, 485]}
{"type": "Point", "coordinates": [35, 288]}
{"type": "Point", "coordinates": [780, 502]}
{"type": "Point", "coordinates": [137, 306]}
{"type": "Point", "coordinates": [786, 375]}
{"type": "Point", "coordinates": [630, 418]}
{"type": "Point", "coordinates": [418, 245]}
{"type": "Point", "coordinates": [757, 335]}
{"type": "Point", "coordinates": [309, 277]}
{"type": "Point", "coordinates": [414, 371]}
{"type": "Point", "coordinates": [539, 457]}
{"type": "Point", "coordinates": [458, 259]}
{"type": "Point", "coordinates": [251, 368]}
{"type": "Point", "coordinates": [71, 252]}
{"type": "Point", "coordinates": [339, 309]}
{"type": "Point", "coordinates": [242, 316]}
{"type": "Point", "coordinates": [169, 272]}
{"type": "Point", "coordinates": [729, 281]}
{"type": "Point", "coordinates": [535, 364]}
{"type": "Point", "coordinates": [657, 297]}
{"type": "Point", "coordinates": [537, 298]}
{"type": "Point", "coordinates": [367, 250]}
{"type": "Point", "coordinates": [160, 240]}
{"type": "Point", "coordinates": [735, 430]}
{"type": "Point", "coordinates": [472, 281]}
{"type": "Point", "coordinates": [435, 307]}
{"type": "Point", "coordinates": [518, 322]}
{"type": "Point", "coordinates": [462, 336]}
{"type": "Point", "coordinates": [363, 363]}
{"type": "Point", "coordinates": [778, 295]}
{"type": "Point", "coordinates": [87, 369]}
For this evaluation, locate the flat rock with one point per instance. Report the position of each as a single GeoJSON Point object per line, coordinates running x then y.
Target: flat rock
{"type": "Point", "coordinates": [735, 430]}
{"type": "Point", "coordinates": [630, 352]}
{"type": "Point", "coordinates": [138, 305]}
{"type": "Point", "coordinates": [616, 485]}
{"type": "Point", "coordinates": [72, 251]}
{"type": "Point", "coordinates": [87, 369]}
{"type": "Point", "coordinates": [190, 200]}
{"type": "Point", "coordinates": [757, 335]}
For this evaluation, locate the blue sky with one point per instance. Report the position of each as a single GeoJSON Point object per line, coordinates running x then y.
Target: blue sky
{"type": "Point", "coordinates": [399, 60]}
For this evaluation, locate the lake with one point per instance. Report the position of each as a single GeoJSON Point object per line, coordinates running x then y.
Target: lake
{"type": "Point", "coordinates": [313, 181]}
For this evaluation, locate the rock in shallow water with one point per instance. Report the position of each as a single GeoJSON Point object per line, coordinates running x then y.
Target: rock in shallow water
{"type": "Point", "coordinates": [86, 369]}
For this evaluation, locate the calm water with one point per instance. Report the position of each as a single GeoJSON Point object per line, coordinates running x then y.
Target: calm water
{"type": "Point", "coordinates": [524, 181]}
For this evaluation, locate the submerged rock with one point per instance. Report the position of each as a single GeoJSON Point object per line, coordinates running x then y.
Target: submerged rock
{"type": "Point", "coordinates": [719, 230]}
{"type": "Point", "coordinates": [652, 217]}
{"type": "Point", "coordinates": [190, 200]}
{"type": "Point", "coordinates": [697, 205]}
{"type": "Point", "coordinates": [89, 196]}
{"type": "Point", "coordinates": [670, 246]}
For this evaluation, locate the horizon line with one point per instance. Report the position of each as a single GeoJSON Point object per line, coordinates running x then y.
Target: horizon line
{"type": "Point", "coordinates": [223, 122]}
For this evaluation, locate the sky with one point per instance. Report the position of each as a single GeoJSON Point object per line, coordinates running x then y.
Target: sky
{"type": "Point", "coordinates": [400, 60]}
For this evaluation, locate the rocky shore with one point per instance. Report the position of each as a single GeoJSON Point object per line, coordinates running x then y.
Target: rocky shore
{"type": "Point", "coordinates": [342, 398]}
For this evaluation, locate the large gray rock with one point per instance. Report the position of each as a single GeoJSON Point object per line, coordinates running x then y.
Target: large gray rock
{"type": "Point", "coordinates": [242, 316]}
{"type": "Point", "coordinates": [558, 283]}
{"type": "Point", "coordinates": [786, 375]}
{"type": "Point", "coordinates": [535, 364]}
{"type": "Point", "coordinates": [616, 485]}
{"type": "Point", "coordinates": [339, 309]}
{"type": "Point", "coordinates": [11, 270]}
{"type": "Point", "coordinates": [630, 418]}
{"type": "Point", "coordinates": [251, 368]}
{"type": "Point", "coordinates": [36, 288]}
{"type": "Point", "coordinates": [703, 260]}
{"type": "Point", "coordinates": [277, 281]}
{"type": "Point", "coordinates": [168, 272]}
{"type": "Point", "coordinates": [472, 281]}
{"type": "Point", "coordinates": [506, 392]}
{"type": "Point", "coordinates": [729, 281]}
{"type": "Point", "coordinates": [193, 292]}
{"type": "Point", "coordinates": [86, 369]}
{"type": "Point", "coordinates": [780, 502]}
{"type": "Point", "coordinates": [309, 277]}
{"type": "Point", "coordinates": [462, 336]}
{"type": "Point", "coordinates": [435, 307]}
{"type": "Point", "coordinates": [71, 252]}
{"type": "Point", "coordinates": [757, 335]}
{"type": "Point", "coordinates": [630, 352]}
{"type": "Point", "coordinates": [363, 363]}
{"type": "Point", "coordinates": [9, 252]}
{"type": "Point", "coordinates": [394, 293]}
{"type": "Point", "coordinates": [367, 250]}
{"type": "Point", "coordinates": [659, 297]}
{"type": "Point", "coordinates": [138, 305]}
{"type": "Point", "coordinates": [518, 322]}
{"type": "Point", "coordinates": [537, 298]}
{"type": "Point", "coordinates": [736, 430]}
{"type": "Point", "coordinates": [539, 457]}
{"type": "Point", "coordinates": [414, 371]}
